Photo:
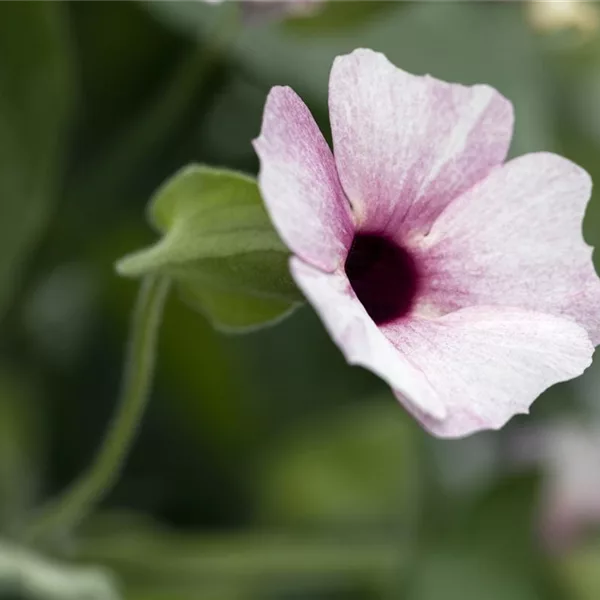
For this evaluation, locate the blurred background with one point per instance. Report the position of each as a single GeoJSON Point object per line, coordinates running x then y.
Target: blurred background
{"type": "Point", "coordinates": [265, 468]}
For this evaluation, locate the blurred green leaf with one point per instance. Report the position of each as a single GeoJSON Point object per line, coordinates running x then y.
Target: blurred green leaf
{"type": "Point", "coordinates": [487, 550]}
{"type": "Point", "coordinates": [359, 466]}
{"type": "Point", "coordinates": [484, 42]}
{"type": "Point", "coordinates": [202, 389]}
{"type": "Point", "coordinates": [24, 574]}
{"type": "Point", "coordinates": [124, 56]}
{"type": "Point", "coordinates": [455, 573]}
{"type": "Point", "coordinates": [578, 127]}
{"type": "Point", "coordinates": [225, 591]}
{"type": "Point", "coordinates": [224, 134]}
{"type": "Point", "coordinates": [143, 554]}
{"type": "Point", "coordinates": [331, 17]}
{"type": "Point", "coordinates": [580, 571]}
{"type": "Point", "coordinates": [20, 449]}
{"type": "Point", "coordinates": [220, 248]}
{"type": "Point", "coordinates": [34, 97]}
{"type": "Point", "coordinates": [502, 519]}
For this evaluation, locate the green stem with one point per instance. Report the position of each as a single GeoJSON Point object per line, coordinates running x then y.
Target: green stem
{"type": "Point", "coordinates": [67, 510]}
{"type": "Point", "coordinates": [243, 558]}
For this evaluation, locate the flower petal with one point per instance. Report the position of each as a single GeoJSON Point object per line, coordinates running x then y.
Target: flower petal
{"type": "Point", "coordinates": [359, 338]}
{"type": "Point", "coordinates": [515, 240]}
{"type": "Point", "coordinates": [299, 183]}
{"type": "Point", "coordinates": [406, 146]}
{"type": "Point", "coordinates": [488, 364]}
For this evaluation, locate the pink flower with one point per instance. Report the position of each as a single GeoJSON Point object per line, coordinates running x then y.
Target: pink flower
{"type": "Point", "coordinates": [568, 453]}
{"type": "Point", "coordinates": [571, 491]}
{"type": "Point", "coordinates": [461, 281]}
{"type": "Point", "coordinates": [275, 8]}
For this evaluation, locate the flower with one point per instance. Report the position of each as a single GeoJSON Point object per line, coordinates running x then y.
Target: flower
{"type": "Point", "coordinates": [571, 491]}
{"type": "Point", "coordinates": [260, 10]}
{"type": "Point", "coordinates": [462, 282]}
{"type": "Point", "coordinates": [566, 450]}
{"type": "Point", "coordinates": [568, 453]}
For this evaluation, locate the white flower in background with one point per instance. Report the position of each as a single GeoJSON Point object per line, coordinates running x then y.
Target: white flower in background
{"type": "Point", "coordinates": [567, 451]}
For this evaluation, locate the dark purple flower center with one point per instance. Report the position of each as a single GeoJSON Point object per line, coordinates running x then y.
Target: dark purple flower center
{"type": "Point", "coordinates": [383, 275]}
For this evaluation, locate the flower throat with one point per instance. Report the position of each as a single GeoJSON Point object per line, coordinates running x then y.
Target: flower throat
{"type": "Point", "coordinates": [383, 276]}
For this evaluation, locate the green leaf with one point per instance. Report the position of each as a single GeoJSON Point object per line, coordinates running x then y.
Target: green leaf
{"type": "Point", "coordinates": [333, 17]}
{"type": "Point", "coordinates": [34, 98]}
{"type": "Point", "coordinates": [359, 466]}
{"type": "Point", "coordinates": [219, 246]}
{"type": "Point", "coordinates": [195, 362]}
{"type": "Point", "coordinates": [580, 571]}
{"type": "Point", "coordinates": [488, 550]}
{"type": "Point", "coordinates": [142, 554]}
{"type": "Point", "coordinates": [503, 518]}
{"type": "Point", "coordinates": [21, 448]}
{"type": "Point", "coordinates": [25, 574]}
{"type": "Point", "coordinates": [459, 573]}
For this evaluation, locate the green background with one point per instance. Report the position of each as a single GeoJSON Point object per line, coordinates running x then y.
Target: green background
{"type": "Point", "coordinates": [265, 467]}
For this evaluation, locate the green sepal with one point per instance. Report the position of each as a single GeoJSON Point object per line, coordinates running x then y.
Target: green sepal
{"type": "Point", "coordinates": [219, 247]}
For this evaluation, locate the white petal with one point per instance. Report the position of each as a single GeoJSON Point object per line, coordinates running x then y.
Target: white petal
{"type": "Point", "coordinates": [406, 146]}
{"type": "Point", "coordinates": [489, 364]}
{"type": "Point", "coordinates": [359, 338]}
{"type": "Point", "coordinates": [299, 183]}
{"type": "Point", "coordinates": [515, 239]}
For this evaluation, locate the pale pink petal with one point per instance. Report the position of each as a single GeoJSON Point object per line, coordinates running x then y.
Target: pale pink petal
{"type": "Point", "coordinates": [406, 146]}
{"type": "Point", "coordinates": [488, 364]}
{"type": "Point", "coordinates": [359, 339]}
{"type": "Point", "coordinates": [299, 183]}
{"type": "Point", "coordinates": [515, 239]}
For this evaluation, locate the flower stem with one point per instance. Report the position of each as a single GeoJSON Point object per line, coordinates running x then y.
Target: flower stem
{"type": "Point", "coordinates": [68, 509]}
{"type": "Point", "coordinates": [198, 560]}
